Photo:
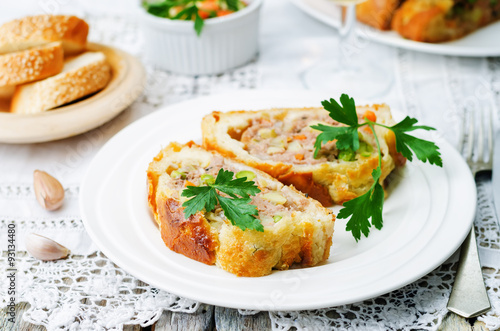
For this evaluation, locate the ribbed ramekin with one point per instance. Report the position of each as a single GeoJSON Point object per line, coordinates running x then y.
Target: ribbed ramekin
{"type": "Point", "coordinates": [226, 42]}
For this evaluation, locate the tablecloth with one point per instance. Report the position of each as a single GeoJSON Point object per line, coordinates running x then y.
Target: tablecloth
{"type": "Point", "coordinates": [88, 292]}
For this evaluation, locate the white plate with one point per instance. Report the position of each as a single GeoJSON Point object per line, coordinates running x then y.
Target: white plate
{"type": "Point", "coordinates": [426, 217]}
{"type": "Point", "coordinates": [477, 44]}
{"type": "Point", "coordinates": [126, 84]}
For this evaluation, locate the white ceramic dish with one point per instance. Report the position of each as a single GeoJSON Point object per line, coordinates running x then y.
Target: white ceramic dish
{"type": "Point", "coordinates": [426, 217]}
{"type": "Point", "coordinates": [126, 84]}
{"type": "Point", "coordinates": [477, 44]}
{"type": "Point", "coordinates": [225, 43]}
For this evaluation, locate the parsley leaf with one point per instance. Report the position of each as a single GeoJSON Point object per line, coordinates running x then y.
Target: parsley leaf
{"type": "Point", "coordinates": [346, 114]}
{"type": "Point", "coordinates": [242, 211]}
{"type": "Point", "coordinates": [237, 207]}
{"type": "Point", "coordinates": [232, 187]}
{"type": "Point", "coordinates": [370, 205]}
{"type": "Point", "coordinates": [346, 136]}
{"type": "Point", "coordinates": [204, 198]}
{"type": "Point", "coordinates": [364, 207]}
{"type": "Point", "coordinates": [423, 149]}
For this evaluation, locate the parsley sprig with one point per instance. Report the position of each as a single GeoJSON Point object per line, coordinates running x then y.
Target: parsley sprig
{"type": "Point", "coordinates": [370, 205]}
{"type": "Point", "coordinates": [237, 207]}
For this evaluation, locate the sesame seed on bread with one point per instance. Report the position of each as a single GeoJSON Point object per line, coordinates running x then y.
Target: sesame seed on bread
{"type": "Point", "coordinates": [32, 31]}
{"type": "Point", "coordinates": [31, 65]}
{"type": "Point", "coordinates": [81, 75]}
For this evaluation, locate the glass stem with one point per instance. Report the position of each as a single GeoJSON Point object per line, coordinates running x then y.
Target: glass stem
{"type": "Point", "coordinates": [347, 34]}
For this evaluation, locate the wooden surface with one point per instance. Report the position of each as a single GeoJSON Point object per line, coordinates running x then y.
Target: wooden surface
{"type": "Point", "coordinates": [215, 318]}
{"type": "Point", "coordinates": [209, 318]}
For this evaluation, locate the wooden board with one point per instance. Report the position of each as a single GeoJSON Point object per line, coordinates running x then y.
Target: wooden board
{"type": "Point", "coordinates": [202, 320]}
{"type": "Point", "coordinates": [126, 84]}
{"type": "Point", "coordinates": [227, 319]}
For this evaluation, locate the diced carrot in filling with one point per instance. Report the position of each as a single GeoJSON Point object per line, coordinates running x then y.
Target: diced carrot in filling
{"type": "Point", "coordinates": [188, 183]}
{"type": "Point", "coordinates": [291, 139]}
{"type": "Point", "coordinates": [272, 205]}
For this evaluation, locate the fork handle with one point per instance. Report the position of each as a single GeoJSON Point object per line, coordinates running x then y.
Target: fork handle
{"type": "Point", "coordinates": [468, 297]}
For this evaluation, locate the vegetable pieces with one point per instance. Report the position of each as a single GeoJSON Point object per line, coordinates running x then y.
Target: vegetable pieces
{"type": "Point", "coordinates": [370, 205]}
{"type": "Point", "coordinates": [190, 10]}
{"type": "Point", "coordinates": [237, 207]}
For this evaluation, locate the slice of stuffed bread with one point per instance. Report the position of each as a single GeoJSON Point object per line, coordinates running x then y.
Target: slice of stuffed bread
{"type": "Point", "coordinates": [280, 142]}
{"type": "Point", "coordinates": [297, 229]}
{"type": "Point", "coordinates": [443, 20]}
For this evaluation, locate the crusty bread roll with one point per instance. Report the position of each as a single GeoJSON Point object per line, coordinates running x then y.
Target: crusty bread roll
{"type": "Point", "coordinates": [82, 75]}
{"type": "Point", "coordinates": [6, 92]}
{"type": "Point", "coordinates": [31, 65]}
{"type": "Point", "coordinates": [32, 31]}
{"type": "Point", "coordinates": [281, 143]}
{"type": "Point", "coordinates": [300, 232]}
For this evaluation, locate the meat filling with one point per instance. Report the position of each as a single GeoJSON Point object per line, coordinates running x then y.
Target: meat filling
{"type": "Point", "coordinates": [290, 140]}
{"type": "Point", "coordinates": [272, 205]}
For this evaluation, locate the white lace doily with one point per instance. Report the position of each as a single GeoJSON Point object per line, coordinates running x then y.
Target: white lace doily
{"type": "Point", "coordinates": [87, 291]}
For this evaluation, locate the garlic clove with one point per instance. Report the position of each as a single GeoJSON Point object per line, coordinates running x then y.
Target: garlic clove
{"type": "Point", "coordinates": [45, 249]}
{"type": "Point", "coordinates": [48, 191]}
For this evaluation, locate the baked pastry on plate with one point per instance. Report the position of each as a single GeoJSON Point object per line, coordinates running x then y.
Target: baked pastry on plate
{"type": "Point", "coordinates": [429, 20]}
{"type": "Point", "coordinates": [443, 20]}
{"type": "Point", "coordinates": [296, 229]}
{"type": "Point", "coordinates": [377, 13]}
{"type": "Point", "coordinates": [281, 143]}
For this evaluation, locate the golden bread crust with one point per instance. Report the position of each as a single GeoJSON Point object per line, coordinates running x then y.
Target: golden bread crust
{"type": "Point", "coordinates": [377, 13]}
{"type": "Point", "coordinates": [31, 65]}
{"type": "Point", "coordinates": [303, 237]}
{"type": "Point", "coordinates": [304, 182]}
{"type": "Point", "coordinates": [74, 82]}
{"type": "Point", "coordinates": [342, 180]}
{"type": "Point", "coordinates": [32, 31]}
{"type": "Point", "coordinates": [190, 237]}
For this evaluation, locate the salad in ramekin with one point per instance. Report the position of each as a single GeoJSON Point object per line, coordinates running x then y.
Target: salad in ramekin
{"type": "Point", "coordinates": [200, 37]}
{"type": "Point", "coordinates": [190, 10]}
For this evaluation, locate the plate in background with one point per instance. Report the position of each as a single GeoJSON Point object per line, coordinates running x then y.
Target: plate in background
{"type": "Point", "coordinates": [477, 44]}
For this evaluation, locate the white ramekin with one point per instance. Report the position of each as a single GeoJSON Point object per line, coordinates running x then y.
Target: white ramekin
{"type": "Point", "coordinates": [226, 42]}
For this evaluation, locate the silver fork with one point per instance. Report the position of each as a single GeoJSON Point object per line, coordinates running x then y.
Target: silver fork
{"type": "Point", "coordinates": [468, 297]}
